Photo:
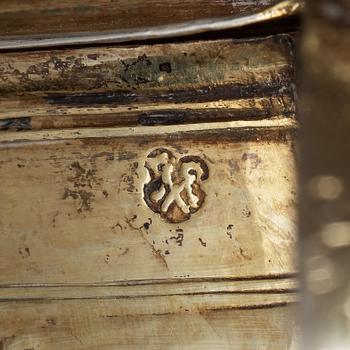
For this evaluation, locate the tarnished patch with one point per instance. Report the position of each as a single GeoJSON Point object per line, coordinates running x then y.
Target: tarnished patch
{"type": "Point", "coordinates": [172, 187]}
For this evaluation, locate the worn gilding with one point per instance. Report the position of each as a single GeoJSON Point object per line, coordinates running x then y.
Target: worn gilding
{"type": "Point", "coordinates": [148, 197]}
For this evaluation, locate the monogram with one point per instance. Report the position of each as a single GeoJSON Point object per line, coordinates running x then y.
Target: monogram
{"type": "Point", "coordinates": [172, 187]}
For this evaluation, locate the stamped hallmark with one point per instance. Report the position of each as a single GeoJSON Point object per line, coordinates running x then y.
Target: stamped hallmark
{"type": "Point", "coordinates": [172, 188]}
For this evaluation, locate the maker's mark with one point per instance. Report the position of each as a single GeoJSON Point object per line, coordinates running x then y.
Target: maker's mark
{"type": "Point", "coordinates": [172, 188]}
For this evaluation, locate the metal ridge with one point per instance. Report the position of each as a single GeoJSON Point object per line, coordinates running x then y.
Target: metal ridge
{"type": "Point", "coordinates": [282, 9]}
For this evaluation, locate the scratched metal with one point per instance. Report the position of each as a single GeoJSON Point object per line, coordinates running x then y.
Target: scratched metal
{"type": "Point", "coordinates": [280, 10]}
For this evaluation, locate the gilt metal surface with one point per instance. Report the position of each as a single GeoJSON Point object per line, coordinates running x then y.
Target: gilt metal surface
{"type": "Point", "coordinates": [280, 10]}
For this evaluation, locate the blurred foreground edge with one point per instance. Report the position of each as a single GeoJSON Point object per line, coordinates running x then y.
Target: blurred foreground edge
{"type": "Point", "coordinates": [325, 175]}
